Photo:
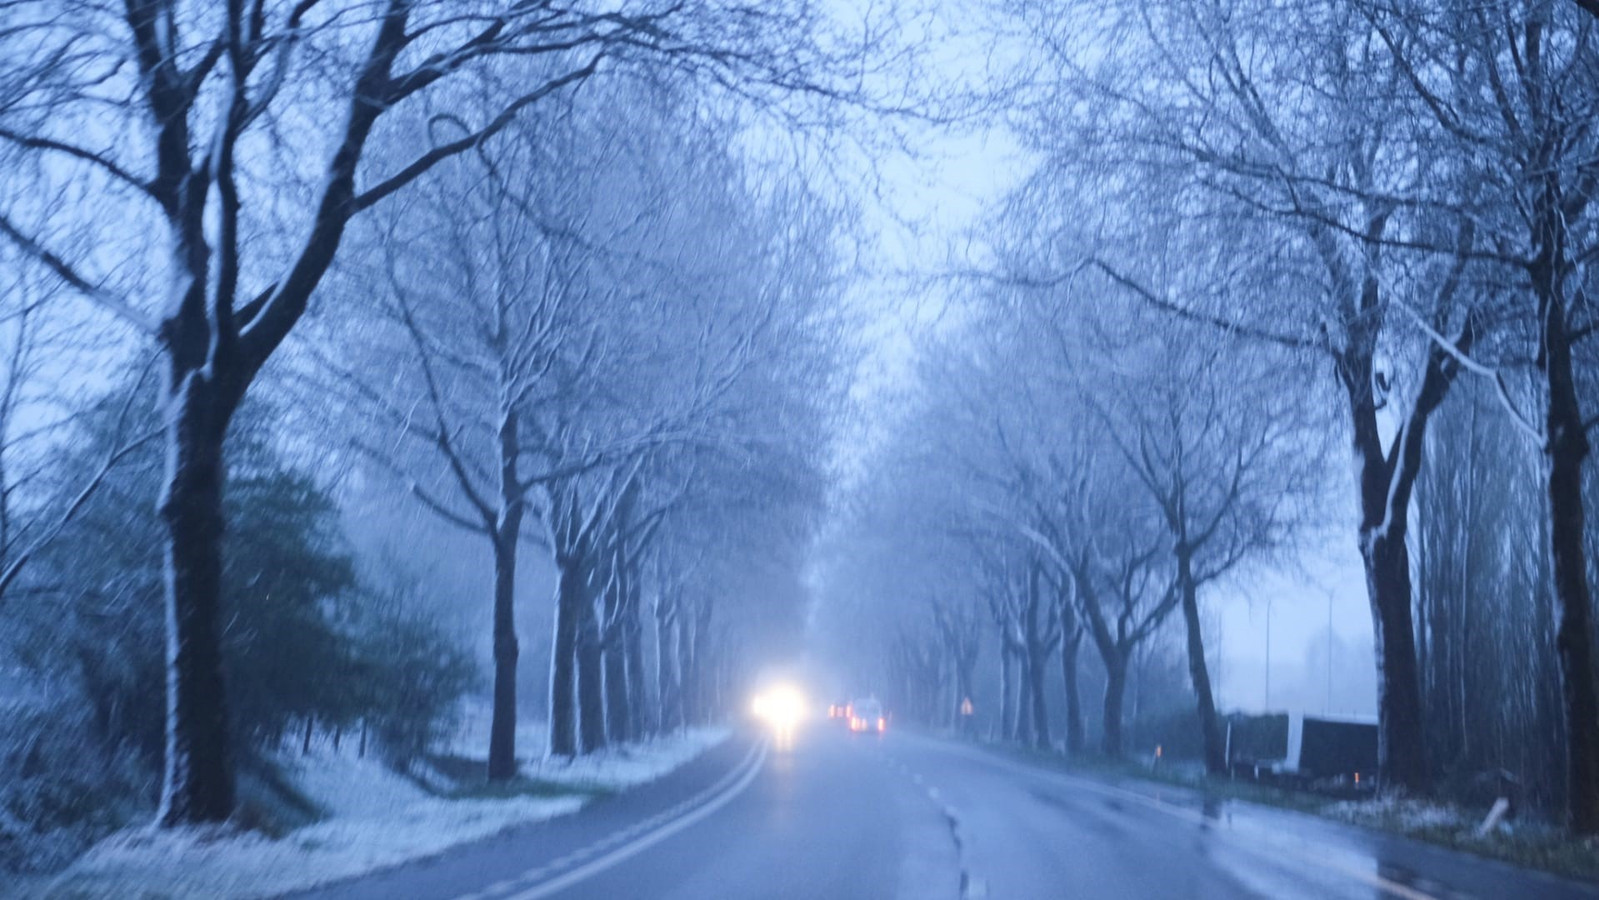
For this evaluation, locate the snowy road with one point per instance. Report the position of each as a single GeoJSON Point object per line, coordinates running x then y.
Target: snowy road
{"type": "Point", "coordinates": [834, 816]}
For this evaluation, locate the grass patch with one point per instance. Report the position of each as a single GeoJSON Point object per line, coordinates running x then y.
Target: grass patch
{"type": "Point", "coordinates": [524, 787]}
{"type": "Point", "coordinates": [468, 781]}
{"type": "Point", "coordinates": [457, 769]}
{"type": "Point", "coordinates": [1534, 845]}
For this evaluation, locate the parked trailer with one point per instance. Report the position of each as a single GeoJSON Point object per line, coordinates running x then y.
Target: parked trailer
{"type": "Point", "coordinates": [1297, 750]}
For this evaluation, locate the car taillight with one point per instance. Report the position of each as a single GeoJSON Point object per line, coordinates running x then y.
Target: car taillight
{"type": "Point", "coordinates": [882, 724]}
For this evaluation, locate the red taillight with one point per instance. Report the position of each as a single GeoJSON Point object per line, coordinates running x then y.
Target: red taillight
{"type": "Point", "coordinates": [882, 724]}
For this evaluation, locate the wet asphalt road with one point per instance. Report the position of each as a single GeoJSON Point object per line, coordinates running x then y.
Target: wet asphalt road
{"type": "Point", "coordinates": [830, 815]}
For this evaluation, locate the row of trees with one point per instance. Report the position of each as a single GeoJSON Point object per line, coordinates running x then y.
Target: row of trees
{"type": "Point", "coordinates": [554, 302]}
{"type": "Point", "coordinates": [578, 364]}
{"type": "Point", "coordinates": [1419, 177]}
{"type": "Point", "coordinates": [1255, 229]}
{"type": "Point", "coordinates": [1088, 471]}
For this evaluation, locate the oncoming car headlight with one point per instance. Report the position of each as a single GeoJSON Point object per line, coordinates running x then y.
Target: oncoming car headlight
{"type": "Point", "coordinates": [781, 707]}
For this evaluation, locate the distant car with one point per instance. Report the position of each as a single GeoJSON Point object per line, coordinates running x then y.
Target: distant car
{"type": "Point", "coordinates": [867, 716]}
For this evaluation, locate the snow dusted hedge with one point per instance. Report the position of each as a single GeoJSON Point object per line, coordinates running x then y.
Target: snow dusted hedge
{"type": "Point", "coordinates": [60, 789]}
{"type": "Point", "coordinates": [82, 686]}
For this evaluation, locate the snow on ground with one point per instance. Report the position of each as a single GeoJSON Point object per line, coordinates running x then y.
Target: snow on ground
{"type": "Point", "coordinates": [376, 819]}
{"type": "Point", "coordinates": [620, 768]}
{"type": "Point", "coordinates": [1401, 814]}
{"type": "Point", "coordinates": [472, 733]}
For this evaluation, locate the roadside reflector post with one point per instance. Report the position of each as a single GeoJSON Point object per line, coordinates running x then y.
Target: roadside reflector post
{"type": "Point", "coordinates": [1496, 815]}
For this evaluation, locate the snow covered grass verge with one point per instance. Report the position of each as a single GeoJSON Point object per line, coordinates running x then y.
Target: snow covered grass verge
{"type": "Point", "coordinates": [1403, 815]}
{"type": "Point", "coordinates": [1523, 843]}
{"type": "Point", "coordinates": [374, 818]}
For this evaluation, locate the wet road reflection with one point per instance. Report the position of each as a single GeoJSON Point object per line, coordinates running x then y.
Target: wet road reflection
{"type": "Point", "coordinates": [1034, 832]}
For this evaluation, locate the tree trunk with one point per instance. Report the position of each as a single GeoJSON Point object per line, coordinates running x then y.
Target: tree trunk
{"type": "Point", "coordinates": [1069, 647]}
{"type": "Point", "coordinates": [507, 533]}
{"type": "Point", "coordinates": [1573, 643]}
{"type": "Point", "coordinates": [1465, 582]}
{"type": "Point", "coordinates": [1566, 447]}
{"type": "Point", "coordinates": [590, 685]}
{"type": "Point", "coordinates": [1198, 672]}
{"type": "Point", "coordinates": [502, 729]}
{"type": "Point", "coordinates": [1024, 706]}
{"type": "Point", "coordinates": [1385, 484]}
{"type": "Point", "coordinates": [569, 601]}
{"type": "Point", "coordinates": [687, 683]}
{"type": "Point", "coordinates": [1115, 692]}
{"type": "Point", "coordinates": [1401, 748]}
{"type": "Point", "coordinates": [1007, 712]}
{"type": "Point", "coordinates": [617, 703]}
{"type": "Point", "coordinates": [1040, 710]}
{"type": "Point", "coordinates": [963, 689]}
{"type": "Point", "coordinates": [666, 686]}
{"type": "Point", "coordinates": [641, 723]}
{"type": "Point", "coordinates": [197, 774]}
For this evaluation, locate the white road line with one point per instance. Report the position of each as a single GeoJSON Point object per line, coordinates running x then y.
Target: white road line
{"type": "Point", "coordinates": [702, 805]}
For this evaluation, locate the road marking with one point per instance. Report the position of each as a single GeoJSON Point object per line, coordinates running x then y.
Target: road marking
{"type": "Point", "coordinates": [970, 888]}
{"type": "Point", "coordinates": [1188, 815]}
{"type": "Point", "coordinates": [676, 819]}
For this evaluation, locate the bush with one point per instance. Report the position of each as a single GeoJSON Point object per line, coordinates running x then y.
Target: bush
{"type": "Point", "coordinates": [61, 789]}
{"type": "Point", "coordinates": [409, 678]}
{"type": "Point", "coordinates": [302, 640]}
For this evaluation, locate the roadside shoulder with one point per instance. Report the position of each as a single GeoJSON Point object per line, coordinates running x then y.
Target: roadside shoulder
{"type": "Point", "coordinates": [1426, 827]}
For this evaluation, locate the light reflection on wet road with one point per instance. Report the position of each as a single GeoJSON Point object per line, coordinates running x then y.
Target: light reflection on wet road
{"type": "Point", "coordinates": [826, 814]}
{"type": "Point", "coordinates": [1033, 832]}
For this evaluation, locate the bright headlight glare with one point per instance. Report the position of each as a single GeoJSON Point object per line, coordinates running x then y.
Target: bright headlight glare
{"type": "Point", "coordinates": [781, 707]}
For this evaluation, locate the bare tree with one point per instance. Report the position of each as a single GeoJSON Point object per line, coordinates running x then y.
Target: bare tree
{"type": "Point", "coordinates": [204, 93]}
{"type": "Point", "coordinates": [959, 632]}
{"type": "Point", "coordinates": [506, 298]}
{"type": "Point", "coordinates": [1506, 91]}
{"type": "Point", "coordinates": [1219, 448]}
{"type": "Point", "coordinates": [38, 410]}
{"type": "Point", "coordinates": [1123, 587]}
{"type": "Point", "coordinates": [1206, 133]}
{"type": "Point", "coordinates": [479, 314]}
